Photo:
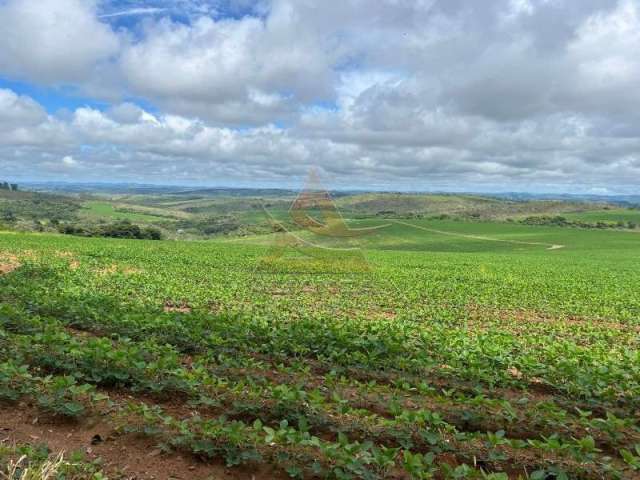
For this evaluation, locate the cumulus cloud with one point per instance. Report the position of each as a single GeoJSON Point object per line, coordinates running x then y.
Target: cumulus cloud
{"type": "Point", "coordinates": [397, 93]}
{"type": "Point", "coordinates": [232, 70]}
{"type": "Point", "coordinates": [127, 142]}
{"type": "Point", "coordinates": [17, 111]}
{"type": "Point", "coordinates": [53, 41]}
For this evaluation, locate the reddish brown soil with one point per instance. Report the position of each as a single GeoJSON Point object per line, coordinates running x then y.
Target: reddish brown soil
{"type": "Point", "coordinates": [128, 457]}
{"type": "Point", "coordinates": [177, 307]}
{"type": "Point", "coordinates": [8, 263]}
{"type": "Point", "coordinates": [524, 316]}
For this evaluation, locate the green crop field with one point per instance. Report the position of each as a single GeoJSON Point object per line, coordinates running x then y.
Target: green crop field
{"type": "Point", "coordinates": [465, 350]}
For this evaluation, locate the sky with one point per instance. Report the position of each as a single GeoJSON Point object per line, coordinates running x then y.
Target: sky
{"type": "Point", "coordinates": [460, 95]}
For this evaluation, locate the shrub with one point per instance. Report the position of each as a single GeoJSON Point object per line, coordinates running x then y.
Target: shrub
{"type": "Point", "coordinates": [122, 229]}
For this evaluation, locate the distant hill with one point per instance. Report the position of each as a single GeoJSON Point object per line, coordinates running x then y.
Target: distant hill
{"type": "Point", "coordinates": [627, 200]}
{"type": "Point", "coordinates": [202, 212]}
{"type": "Point", "coordinates": [34, 206]}
{"type": "Point", "coordinates": [471, 206]}
{"type": "Point", "coordinates": [228, 191]}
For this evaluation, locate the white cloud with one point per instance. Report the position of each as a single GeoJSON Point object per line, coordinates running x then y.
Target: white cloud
{"type": "Point", "coordinates": [127, 142]}
{"type": "Point", "coordinates": [18, 110]}
{"type": "Point", "coordinates": [53, 41]}
{"type": "Point", "coordinates": [227, 68]}
{"type": "Point", "coordinates": [607, 70]}
{"type": "Point", "coordinates": [499, 91]}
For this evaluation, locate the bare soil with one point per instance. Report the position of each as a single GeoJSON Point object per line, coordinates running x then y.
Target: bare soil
{"type": "Point", "coordinates": [124, 456]}
{"type": "Point", "coordinates": [8, 263]}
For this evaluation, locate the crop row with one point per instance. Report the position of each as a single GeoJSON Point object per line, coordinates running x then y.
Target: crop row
{"type": "Point", "coordinates": [156, 369]}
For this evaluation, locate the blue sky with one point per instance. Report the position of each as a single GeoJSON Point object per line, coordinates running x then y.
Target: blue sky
{"type": "Point", "coordinates": [123, 13]}
{"type": "Point", "coordinates": [53, 99]}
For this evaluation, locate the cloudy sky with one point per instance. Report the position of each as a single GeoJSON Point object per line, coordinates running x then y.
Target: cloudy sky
{"type": "Point", "coordinates": [491, 95]}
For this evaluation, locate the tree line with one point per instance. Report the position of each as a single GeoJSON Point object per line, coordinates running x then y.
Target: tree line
{"type": "Point", "coordinates": [559, 221]}
{"type": "Point", "coordinates": [120, 229]}
{"type": "Point", "coordinates": [12, 187]}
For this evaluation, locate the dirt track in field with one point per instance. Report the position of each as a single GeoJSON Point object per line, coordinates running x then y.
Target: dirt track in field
{"type": "Point", "coordinates": [550, 246]}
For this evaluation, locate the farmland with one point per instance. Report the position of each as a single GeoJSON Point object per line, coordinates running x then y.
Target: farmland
{"type": "Point", "coordinates": [613, 215]}
{"type": "Point", "coordinates": [319, 240]}
{"type": "Point", "coordinates": [108, 210]}
{"type": "Point", "coordinates": [476, 353]}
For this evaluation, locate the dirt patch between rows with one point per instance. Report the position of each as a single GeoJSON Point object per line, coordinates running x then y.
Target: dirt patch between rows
{"type": "Point", "coordinates": [525, 316]}
{"type": "Point", "coordinates": [173, 307]}
{"type": "Point", "coordinates": [123, 456]}
{"type": "Point", "coordinates": [8, 263]}
{"type": "Point", "coordinates": [107, 270]}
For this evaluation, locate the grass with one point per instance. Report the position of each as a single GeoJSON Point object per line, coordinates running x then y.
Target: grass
{"type": "Point", "coordinates": [611, 215]}
{"type": "Point", "coordinates": [34, 462]}
{"type": "Point", "coordinates": [106, 210]}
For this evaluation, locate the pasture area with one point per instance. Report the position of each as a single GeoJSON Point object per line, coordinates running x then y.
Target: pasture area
{"type": "Point", "coordinates": [611, 215]}
{"type": "Point", "coordinates": [109, 211]}
{"type": "Point", "coordinates": [466, 350]}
